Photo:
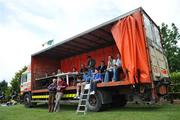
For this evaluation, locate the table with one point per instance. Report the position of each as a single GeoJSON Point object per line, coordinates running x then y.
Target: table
{"type": "Point", "coordinates": [67, 75]}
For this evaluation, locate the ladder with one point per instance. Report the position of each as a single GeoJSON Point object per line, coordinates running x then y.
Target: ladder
{"type": "Point", "coordinates": [83, 101]}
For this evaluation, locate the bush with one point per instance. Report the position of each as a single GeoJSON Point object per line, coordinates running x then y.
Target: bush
{"type": "Point", "coordinates": [175, 80]}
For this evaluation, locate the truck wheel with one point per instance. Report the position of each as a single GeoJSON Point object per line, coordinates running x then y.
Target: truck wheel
{"type": "Point", "coordinates": [27, 100]}
{"type": "Point", "coordinates": [94, 103]}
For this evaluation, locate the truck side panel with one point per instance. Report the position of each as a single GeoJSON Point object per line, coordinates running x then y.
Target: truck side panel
{"type": "Point", "coordinates": [41, 67]}
{"type": "Point", "coordinates": [67, 64]}
{"type": "Point", "coordinates": [158, 60]}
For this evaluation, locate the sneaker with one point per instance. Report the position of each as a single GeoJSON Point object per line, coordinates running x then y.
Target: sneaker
{"type": "Point", "coordinates": [91, 93]}
{"type": "Point", "coordinates": [76, 97]}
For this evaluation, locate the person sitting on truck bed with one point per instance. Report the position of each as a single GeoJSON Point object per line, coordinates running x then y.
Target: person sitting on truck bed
{"type": "Point", "coordinates": [82, 83]}
{"type": "Point", "coordinates": [79, 81]}
{"type": "Point", "coordinates": [52, 92]}
{"type": "Point", "coordinates": [74, 70]}
{"type": "Point", "coordinates": [97, 77]}
{"type": "Point", "coordinates": [117, 68]}
{"type": "Point", "coordinates": [109, 70]}
{"type": "Point", "coordinates": [83, 69]}
{"type": "Point", "coordinates": [75, 77]}
{"type": "Point", "coordinates": [61, 85]}
{"type": "Point", "coordinates": [102, 68]}
{"type": "Point", "coordinates": [91, 63]}
{"type": "Point", "coordinates": [59, 71]}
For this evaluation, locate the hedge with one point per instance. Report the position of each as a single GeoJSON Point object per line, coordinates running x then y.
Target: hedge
{"type": "Point", "coordinates": [175, 80]}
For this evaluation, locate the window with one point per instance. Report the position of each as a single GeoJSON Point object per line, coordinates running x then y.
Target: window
{"type": "Point", "coordinates": [148, 28]}
{"type": "Point", "coordinates": [157, 36]}
{"type": "Point", "coordinates": [24, 78]}
{"type": "Point", "coordinates": [28, 76]}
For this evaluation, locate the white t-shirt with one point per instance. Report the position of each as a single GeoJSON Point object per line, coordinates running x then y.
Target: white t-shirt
{"type": "Point", "coordinates": [118, 62]}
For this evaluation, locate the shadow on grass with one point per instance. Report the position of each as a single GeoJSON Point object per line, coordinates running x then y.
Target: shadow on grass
{"type": "Point", "coordinates": [63, 107]}
{"type": "Point", "coordinates": [132, 108]}
{"type": "Point", "coordinates": [128, 108]}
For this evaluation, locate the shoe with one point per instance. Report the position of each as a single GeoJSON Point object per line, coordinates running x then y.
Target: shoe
{"type": "Point", "coordinates": [76, 97]}
{"type": "Point", "coordinates": [91, 93]}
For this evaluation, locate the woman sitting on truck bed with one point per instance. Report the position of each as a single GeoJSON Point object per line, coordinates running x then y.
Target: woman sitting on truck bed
{"type": "Point", "coordinates": [117, 68]}
{"type": "Point", "coordinates": [113, 69]}
{"type": "Point", "coordinates": [109, 70]}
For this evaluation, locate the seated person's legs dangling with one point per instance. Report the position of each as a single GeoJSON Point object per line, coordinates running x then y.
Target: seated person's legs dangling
{"type": "Point", "coordinates": [115, 74]}
{"type": "Point", "coordinates": [106, 77]}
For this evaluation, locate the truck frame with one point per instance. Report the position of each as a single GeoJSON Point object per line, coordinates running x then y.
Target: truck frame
{"type": "Point", "coordinates": [134, 35]}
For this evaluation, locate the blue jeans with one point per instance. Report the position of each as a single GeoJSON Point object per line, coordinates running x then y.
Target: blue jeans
{"type": "Point", "coordinates": [107, 76]}
{"type": "Point", "coordinates": [103, 76]}
{"type": "Point", "coordinates": [115, 74]}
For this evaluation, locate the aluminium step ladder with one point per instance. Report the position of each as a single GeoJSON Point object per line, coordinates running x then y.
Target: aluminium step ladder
{"type": "Point", "coordinates": [83, 101]}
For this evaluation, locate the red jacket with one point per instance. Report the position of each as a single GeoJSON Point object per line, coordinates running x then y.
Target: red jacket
{"type": "Point", "coordinates": [61, 86]}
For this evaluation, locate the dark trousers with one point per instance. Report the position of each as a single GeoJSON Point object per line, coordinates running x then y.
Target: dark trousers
{"type": "Point", "coordinates": [93, 85]}
{"type": "Point", "coordinates": [51, 101]}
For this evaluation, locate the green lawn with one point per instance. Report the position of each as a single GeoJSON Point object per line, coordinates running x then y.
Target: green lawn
{"type": "Point", "coordinates": [158, 112]}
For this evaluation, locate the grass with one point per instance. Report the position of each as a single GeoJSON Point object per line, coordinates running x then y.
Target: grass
{"type": "Point", "coordinates": [158, 112]}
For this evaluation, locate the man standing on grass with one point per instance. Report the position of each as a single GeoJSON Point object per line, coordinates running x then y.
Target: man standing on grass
{"type": "Point", "coordinates": [52, 92]}
{"type": "Point", "coordinates": [61, 85]}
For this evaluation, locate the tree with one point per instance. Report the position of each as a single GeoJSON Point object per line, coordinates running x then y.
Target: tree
{"type": "Point", "coordinates": [170, 38]}
{"type": "Point", "coordinates": [15, 82]}
{"type": "Point", "coordinates": [3, 86]}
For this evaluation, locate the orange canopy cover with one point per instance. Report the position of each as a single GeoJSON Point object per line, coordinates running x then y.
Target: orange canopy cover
{"type": "Point", "coordinates": [130, 40]}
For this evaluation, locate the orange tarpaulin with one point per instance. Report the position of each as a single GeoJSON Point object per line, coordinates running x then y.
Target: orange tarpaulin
{"type": "Point", "coordinates": [130, 40]}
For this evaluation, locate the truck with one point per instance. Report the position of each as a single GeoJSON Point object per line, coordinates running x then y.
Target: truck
{"type": "Point", "coordinates": [145, 77]}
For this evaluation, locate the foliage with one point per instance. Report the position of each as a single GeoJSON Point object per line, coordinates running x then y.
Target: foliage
{"type": "Point", "coordinates": [3, 86]}
{"type": "Point", "coordinates": [5, 89]}
{"type": "Point", "coordinates": [15, 83]}
{"type": "Point", "coordinates": [170, 38]}
{"type": "Point", "coordinates": [175, 80]}
{"type": "Point", "coordinates": [8, 93]}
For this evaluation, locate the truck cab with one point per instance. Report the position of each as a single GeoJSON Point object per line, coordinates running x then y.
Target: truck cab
{"type": "Point", "coordinates": [25, 82]}
{"type": "Point", "coordinates": [25, 86]}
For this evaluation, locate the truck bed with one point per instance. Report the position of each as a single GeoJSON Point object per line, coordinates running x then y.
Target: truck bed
{"type": "Point", "coordinates": [103, 84]}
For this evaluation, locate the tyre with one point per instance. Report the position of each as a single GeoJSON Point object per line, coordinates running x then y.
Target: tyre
{"type": "Point", "coordinates": [27, 100]}
{"type": "Point", "coordinates": [95, 102]}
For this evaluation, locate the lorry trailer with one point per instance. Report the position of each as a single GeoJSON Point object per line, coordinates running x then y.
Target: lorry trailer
{"type": "Point", "coordinates": [145, 75]}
